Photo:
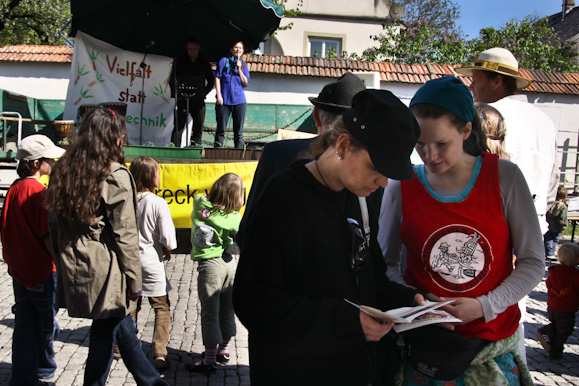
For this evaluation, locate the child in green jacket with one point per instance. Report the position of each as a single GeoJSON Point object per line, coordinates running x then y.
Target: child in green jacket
{"type": "Point", "coordinates": [215, 221]}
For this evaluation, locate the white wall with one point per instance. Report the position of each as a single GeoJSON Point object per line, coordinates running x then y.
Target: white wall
{"type": "Point", "coordinates": [357, 8]}
{"type": "Point", "coordinates": [354, 22]}
{"type": "Point", "coordinates": [564, 111]}
{"type": "Point", "coordinates": [37, 80]}
{"type": "Point", "coordinates": [355, 35]}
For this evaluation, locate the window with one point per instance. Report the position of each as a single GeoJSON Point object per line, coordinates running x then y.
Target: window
{"type": "Point", "coordinates": [325, 47]}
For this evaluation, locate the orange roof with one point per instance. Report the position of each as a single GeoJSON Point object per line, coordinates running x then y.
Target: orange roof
{"type": "Point", "coordinates": [30, 53]}
{"type": "Point", "coordinates": [543, 81]}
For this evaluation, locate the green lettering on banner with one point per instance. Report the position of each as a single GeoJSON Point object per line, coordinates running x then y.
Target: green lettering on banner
{"type": "Point", "coordinates": [158, 121]}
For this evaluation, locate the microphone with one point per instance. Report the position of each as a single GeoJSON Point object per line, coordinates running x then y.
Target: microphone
{"type": "Point", "coordinates": [150, 44]}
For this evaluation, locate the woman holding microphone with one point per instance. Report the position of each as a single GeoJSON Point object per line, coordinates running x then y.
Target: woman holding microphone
{"type": "Point", "coordinates": [231, 77]}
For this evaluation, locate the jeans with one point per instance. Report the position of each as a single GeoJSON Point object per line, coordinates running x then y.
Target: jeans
{"type": "Point", "coordinates": [551, 239]}
{"type": "Point", "coordinates": [34, 332]}
{"type": "Point", "coordinates": [222, 113]}
{"type": "Point", "coordinates": [215, 286]}
{"type": "Point", "coordinates": [100, 352]}
{"type": "Point", "coordinates": [197, 111]}
{"type": "Point", "coordinates": [161, 305]}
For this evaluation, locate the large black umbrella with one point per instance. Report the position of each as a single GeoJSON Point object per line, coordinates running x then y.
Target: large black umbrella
{"type": "Point", "coordinates": [163, 26]}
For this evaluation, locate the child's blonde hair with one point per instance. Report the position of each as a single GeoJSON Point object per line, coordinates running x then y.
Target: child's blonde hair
{"type": "Point", "coordinates": [493, 124]}
{"type": "Point", "coordinates": [568, 254]}
{"type": "Point", "coordinates": [227, 193]}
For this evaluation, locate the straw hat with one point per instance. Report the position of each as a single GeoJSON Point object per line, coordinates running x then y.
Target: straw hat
{"type": "Point", "coordinates": [497, 60]}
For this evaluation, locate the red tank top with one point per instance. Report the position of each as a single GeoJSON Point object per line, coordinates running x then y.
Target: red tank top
{"type": "Point", "coordinates": [460, 249]}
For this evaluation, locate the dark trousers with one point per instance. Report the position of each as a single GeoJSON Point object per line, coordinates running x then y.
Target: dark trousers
{"type": "Point", "coordinates": [560, 328]}
{"type": "Point", "coordinates": [34, 332]}
{"type": "Point", "coordinates": [222, 114]}
{"type": "Point", "coordinates": [100, 352]}
{"type": "Point", "coordinates": [197, 111]}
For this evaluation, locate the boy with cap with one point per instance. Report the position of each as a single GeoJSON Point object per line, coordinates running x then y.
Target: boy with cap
{"type": "Point", "coordinates": [27, 251]}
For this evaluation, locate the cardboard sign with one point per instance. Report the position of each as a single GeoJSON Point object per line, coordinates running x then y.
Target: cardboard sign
{"type": "Point", "coordinates": [102, 73]}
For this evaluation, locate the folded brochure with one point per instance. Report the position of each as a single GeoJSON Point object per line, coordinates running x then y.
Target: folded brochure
{"type": "Point", "coordinates": [407, 318]}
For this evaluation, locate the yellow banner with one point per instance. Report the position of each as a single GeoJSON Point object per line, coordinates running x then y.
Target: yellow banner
{"type": "Point", "coordinates": [180, 182]}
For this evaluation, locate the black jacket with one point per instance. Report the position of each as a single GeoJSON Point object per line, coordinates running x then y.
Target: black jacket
{"type": "Point", "coordinates": [293, 275]}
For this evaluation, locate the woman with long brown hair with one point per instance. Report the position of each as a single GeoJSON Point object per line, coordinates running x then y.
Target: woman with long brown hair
{"type": "Point", "coordinates": [93, 228]}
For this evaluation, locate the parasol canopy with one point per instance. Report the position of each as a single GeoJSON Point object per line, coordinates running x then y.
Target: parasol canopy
{"type": "Point", "coordinates": [162, 27]}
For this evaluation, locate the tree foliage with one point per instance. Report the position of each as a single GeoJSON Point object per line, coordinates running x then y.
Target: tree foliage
{"type": "Point", "coordinates": [288, 12]}
{"type": "Point", "coordinates": [534, 44]}
{"type": "Point", "coordinates": [33, 21]}
{"type": "Point", "coordinates": [419, 42]}
{"type": "Point", "coordinates": [441, 14]}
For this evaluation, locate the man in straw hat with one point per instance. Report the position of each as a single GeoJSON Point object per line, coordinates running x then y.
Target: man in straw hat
{"type": "Point", "coordinates": [530, 133]}
{"type": "Point", "coordinates": [333, 100]}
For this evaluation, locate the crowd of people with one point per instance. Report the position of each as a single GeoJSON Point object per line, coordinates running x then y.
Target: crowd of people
{"type": "Point", "coordinates": [342, 218]}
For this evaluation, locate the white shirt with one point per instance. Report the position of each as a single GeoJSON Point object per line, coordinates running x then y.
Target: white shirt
{"type": "Point", "coordinates": [156, 229]}
{"type": "Point", "coordinates": [531, 141]}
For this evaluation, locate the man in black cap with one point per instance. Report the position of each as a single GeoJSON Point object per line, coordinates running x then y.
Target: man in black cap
{"type": "Point", "coordinates": [333, 100]}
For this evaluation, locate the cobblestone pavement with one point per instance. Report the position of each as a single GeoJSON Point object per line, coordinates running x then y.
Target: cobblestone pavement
{"type": "Point", "coordinates": [71, 345]}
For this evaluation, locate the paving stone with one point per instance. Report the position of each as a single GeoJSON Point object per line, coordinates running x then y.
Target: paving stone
{"type": "Point", "coordinates": [71, 346]}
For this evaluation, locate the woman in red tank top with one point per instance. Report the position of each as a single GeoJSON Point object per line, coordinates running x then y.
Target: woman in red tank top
{"type": "Point", "coordinates": [452, 219]}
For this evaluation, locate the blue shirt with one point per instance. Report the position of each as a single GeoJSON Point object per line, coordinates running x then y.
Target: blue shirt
{"type": "Point", "coordinates": [231, 87]}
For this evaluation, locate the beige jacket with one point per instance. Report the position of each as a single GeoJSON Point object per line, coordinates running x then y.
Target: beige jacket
{"type": "Point", "coordinates": [98, 264]}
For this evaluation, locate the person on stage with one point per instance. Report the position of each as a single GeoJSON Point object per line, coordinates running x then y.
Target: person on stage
{"type": "Point", "coordinates": [191, 64]}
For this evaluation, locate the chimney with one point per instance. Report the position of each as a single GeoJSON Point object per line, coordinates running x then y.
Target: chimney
{"type": "Point", "coordinates": [568, 5]}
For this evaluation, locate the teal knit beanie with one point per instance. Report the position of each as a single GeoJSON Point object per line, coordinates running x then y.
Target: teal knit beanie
{"type": "Point", "coordinates": [449, 93]}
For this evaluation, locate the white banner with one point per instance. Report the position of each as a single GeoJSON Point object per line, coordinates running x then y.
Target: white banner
{"type": "Point", "coordinates": [102, 73]}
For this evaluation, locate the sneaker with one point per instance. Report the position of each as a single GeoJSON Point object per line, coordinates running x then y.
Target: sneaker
{"type": "Point", "coordinates": [221, 358]}
{"type": "Point", "coordinates": [200, 367]}
{"type": "Point", "coordinates": [544, 340]}
{"type": "Point", "coordinates": [161, 363]}
{"type": "Point", "coordinates": [46, 374]}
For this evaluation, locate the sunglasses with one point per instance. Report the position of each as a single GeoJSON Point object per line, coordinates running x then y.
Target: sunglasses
{"type": "Point", "coordinates": [360, 248]}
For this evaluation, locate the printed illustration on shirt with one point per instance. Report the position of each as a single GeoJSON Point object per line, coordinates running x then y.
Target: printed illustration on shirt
{"type": "Point", "coordinates": [457, 257]}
